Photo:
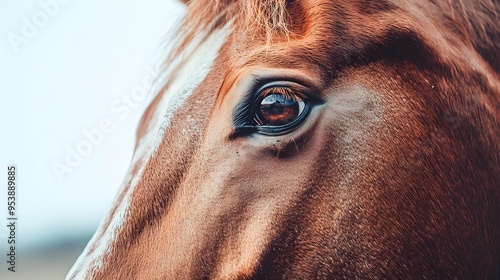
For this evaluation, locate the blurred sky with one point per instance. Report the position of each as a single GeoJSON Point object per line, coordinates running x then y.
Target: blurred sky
{"type": "Point", "coordinates": [79, 63]}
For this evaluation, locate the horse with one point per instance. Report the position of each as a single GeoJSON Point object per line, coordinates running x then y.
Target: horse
{"type": "Point", "coordinates": [328, 139]}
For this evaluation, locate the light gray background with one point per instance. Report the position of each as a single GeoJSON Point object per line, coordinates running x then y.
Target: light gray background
{"type": "Point", "coordinates": [66, 78]}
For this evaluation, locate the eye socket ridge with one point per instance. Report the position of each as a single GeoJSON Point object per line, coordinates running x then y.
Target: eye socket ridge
{"type": "Point", "coordinates": [274, 108]}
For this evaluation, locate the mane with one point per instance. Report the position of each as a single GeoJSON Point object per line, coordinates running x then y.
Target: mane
{"type": "Point", "coordinates": [266, 18]}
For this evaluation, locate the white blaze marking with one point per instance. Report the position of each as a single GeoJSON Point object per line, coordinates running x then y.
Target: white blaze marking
{"type": "Point", "coordinates": [198, 59]}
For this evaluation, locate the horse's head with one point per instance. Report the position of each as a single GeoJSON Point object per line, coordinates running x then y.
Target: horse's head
{"type": "Point", "coordinates": [316, 139]}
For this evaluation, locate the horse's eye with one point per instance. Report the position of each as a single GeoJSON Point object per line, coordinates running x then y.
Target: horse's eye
{"type": "Point", "coordinates": [274, 109]}
{"type": "Point", "coordinates": [279, 107]}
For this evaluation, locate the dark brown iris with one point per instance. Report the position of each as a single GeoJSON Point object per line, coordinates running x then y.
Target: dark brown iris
{"type": "Point", "coordinates": [279, 109]}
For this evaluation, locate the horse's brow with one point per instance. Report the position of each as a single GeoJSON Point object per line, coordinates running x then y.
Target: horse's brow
{"type": "Point", "coordinates": [332, 55]}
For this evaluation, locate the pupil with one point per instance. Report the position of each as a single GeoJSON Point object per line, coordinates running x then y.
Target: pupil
{"type": "Point", "coordinates": [278, 109]}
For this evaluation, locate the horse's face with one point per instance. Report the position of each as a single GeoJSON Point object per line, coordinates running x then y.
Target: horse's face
{"type": "Point", "coordinates": [361, 145]}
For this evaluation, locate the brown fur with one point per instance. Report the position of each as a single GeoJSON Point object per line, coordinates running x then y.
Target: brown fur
{"type": "Point", "coordinates": [395, 176]}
